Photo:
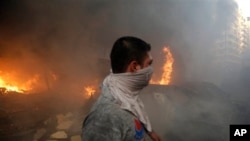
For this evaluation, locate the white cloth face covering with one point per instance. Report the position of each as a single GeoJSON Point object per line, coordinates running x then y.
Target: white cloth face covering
{"type": "Point", "coordinates": [125, 88]}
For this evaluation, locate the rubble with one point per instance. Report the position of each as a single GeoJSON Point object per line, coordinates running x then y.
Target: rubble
{"type": "Point", "coordinates": [39, 133]}
{"type": "Point", "coordinates": [175, 111]}
{"type": "Point", "coordinates": [76, 138]}
{"type": "Point", "coordinates": [64, 125]}
{"type": "Point", "coordinates": [28, 118]}
{"type": "Point", "coordinates": [64, 121]}
{"type": "Point", "coordinates": [59, 135]}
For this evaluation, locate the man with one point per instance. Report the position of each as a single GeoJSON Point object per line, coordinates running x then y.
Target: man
{"type": "Point", "coordinates": [118, 114]}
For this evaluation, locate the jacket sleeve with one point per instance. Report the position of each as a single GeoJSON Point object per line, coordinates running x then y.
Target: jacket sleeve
{"type": "Point", "coordinates": [102, 128]}
{"type": "Point", "coordinates": [105, 135]}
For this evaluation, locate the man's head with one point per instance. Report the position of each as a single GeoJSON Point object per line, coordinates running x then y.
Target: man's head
{"type": "Point", "coordinates": [130, 54]}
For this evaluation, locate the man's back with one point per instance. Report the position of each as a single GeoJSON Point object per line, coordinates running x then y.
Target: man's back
{"type": "Point", "coordinates": [108, 122]}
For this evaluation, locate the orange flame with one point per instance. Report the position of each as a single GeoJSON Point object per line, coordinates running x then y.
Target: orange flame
{"type": "Point", "coordinates": [167, 68]}
{"type": "Point", "coordinates": [90, 91]}
{"type": "Point", "coordinates": [11, 83]}
{"type": "Point", "coordinates": [8, 87]}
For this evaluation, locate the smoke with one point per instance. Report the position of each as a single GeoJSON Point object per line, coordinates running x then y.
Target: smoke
{"type": "Point", "coordinates": [194, 111]}
{"type": "Point", "coordinates": [65, 35]}
{"type": "Point", "coordinates": [68, 38]}
{"type": "Point", "coordinates": [49, 36]}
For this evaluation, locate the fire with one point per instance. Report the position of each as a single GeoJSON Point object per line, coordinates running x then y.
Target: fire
{"type": "Point", "coordinates": [90, 90]}
{"type": "Point", "coordinates": [5, 87]}
{"type": "Point", "coordinates": [11, 85]}
{"type": "Point", "coordinates": [167, 68]}
{"type": "Point", "coordinates": [12, 82]}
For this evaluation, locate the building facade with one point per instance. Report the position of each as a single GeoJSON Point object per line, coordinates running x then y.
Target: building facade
{"type": "Point", "coordinates": [232, 49]}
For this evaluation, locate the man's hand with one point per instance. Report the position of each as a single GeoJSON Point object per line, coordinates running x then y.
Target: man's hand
{"type": "Point", "coordinates": [154, 136]}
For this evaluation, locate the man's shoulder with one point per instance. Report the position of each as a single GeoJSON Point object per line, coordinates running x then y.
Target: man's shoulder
{"type": "Point", "coordinates": [106, 112]}
{"type": "Point", "coordinates": [107, 106]}
{"type": "Point", "coordinates": [108, 117]}
{"type": "Point", "coordinates": [111, 110]}
{"type": "Point", "coordinates": [108, 122]}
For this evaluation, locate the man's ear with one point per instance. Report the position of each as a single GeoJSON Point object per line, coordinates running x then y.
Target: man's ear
{"type": "Point", "coordinates": [133, 66]}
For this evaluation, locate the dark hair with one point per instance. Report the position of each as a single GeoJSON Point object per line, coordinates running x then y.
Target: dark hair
{"type": "Point", "coordinates": [125, 50]}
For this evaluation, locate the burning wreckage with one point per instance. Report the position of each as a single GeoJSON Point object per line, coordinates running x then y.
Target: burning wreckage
{"type": "Point", "coordinates": [191, 111]}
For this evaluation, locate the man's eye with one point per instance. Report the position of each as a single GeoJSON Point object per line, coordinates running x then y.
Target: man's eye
{"type": "Point", "coordinates": [150, 63]}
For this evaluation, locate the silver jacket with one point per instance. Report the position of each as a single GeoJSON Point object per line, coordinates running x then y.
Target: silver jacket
{"type": "Point", "coordinates": [108, 122]}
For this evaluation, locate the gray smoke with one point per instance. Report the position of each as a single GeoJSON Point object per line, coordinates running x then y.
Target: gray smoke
{"type": "Point", "coordinates": [69, 38]}
{"type": "Point", "coordinates": [64, 35]}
